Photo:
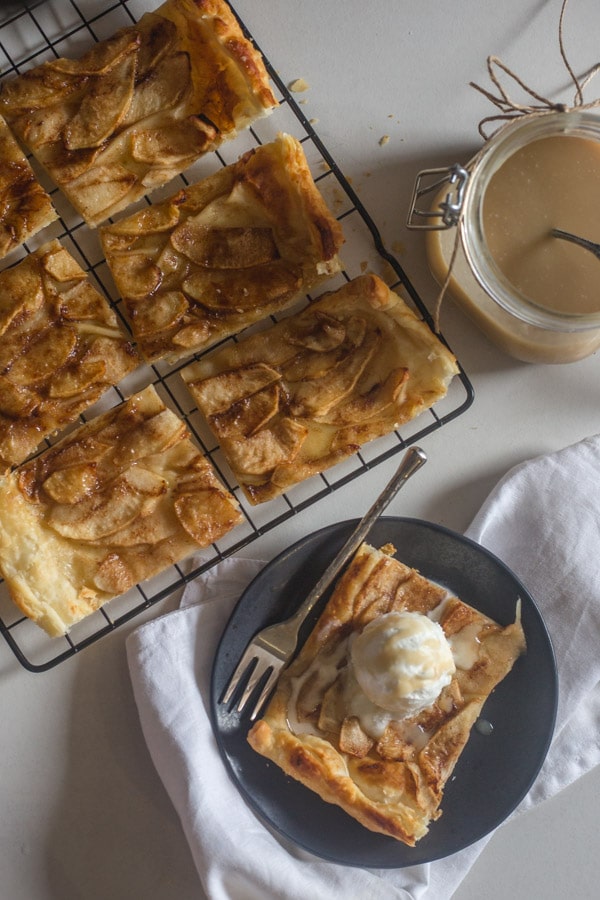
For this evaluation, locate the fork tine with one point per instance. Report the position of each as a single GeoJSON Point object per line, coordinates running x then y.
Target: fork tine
{"type": "Point", "coordinates": [264, 694]}
{"type": "Point", "coordinates": [254, 679]}
{"type": "Point", "coordinates": [242, 667]}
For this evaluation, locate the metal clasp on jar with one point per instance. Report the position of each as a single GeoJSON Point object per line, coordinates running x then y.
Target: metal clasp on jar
{"type": "Point", "coordinates": [447, 213]}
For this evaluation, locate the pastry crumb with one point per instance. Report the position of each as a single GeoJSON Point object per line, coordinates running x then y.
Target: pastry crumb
{"type": "Point", "coordinates": [298, 85]}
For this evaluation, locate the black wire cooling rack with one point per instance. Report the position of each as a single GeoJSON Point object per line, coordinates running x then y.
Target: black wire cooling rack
{"type": "Point", "coordinates": [32, 31]}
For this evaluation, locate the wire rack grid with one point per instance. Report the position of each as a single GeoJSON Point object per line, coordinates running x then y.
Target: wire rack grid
{"type": "Point", "coordinates": [32, 31]}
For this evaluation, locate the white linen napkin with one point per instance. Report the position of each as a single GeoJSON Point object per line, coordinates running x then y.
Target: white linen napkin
{"type": "Point", "coordinates": [542, 521]}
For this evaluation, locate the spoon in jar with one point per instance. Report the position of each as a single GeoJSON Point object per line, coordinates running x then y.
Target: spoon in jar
{"type": "Point", "coordinates": [582, 242]}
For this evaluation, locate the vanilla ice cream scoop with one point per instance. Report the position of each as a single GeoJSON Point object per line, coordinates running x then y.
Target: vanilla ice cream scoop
{"type": "Point", "coordinates": [402, 661]}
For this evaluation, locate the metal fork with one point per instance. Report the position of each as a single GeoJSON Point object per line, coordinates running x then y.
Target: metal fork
{"type": "Point", "coordinates": [270, 650]}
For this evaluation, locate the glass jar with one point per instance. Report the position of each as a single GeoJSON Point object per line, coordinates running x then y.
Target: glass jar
{"type": "Point", "coordinates": [529, 325]}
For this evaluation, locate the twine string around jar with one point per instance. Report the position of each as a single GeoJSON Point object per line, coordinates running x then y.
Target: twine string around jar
{"type": "Point", "coordinates": [510, 110]}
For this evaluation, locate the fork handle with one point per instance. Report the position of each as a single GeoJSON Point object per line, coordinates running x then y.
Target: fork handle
{"type": "Point", "coordinates": [412, 460]}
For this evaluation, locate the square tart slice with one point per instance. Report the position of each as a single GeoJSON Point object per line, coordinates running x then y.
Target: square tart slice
{"type": "Point", "coordinates": [25, 207]}
{"type": "Point", "coordinates": [140, 107]}
{"type": "Point", "coordinates": [115, 502]}
{"type": "Point", "coordinates": [388, 774]}
{"type": "Point", "coordinates": [223, 253]}
{"type": "Point", "coordinates": [61, 348]}
{"type": "Point", "coordinates": [290, 401]}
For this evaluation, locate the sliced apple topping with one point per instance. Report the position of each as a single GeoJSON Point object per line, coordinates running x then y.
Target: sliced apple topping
{"type": "Point", "coordinates": [71, 381]}
{"type": "Point", "coordinates": [224, 248]}
{"type": "Point", "coordinates": [173, 145]}
{"type": "Point", "coordinates": [101, 513]}
{"type": "Point", "coordinates": [47, 352]}
{"type": "Point", "coordinates": [215, 395]}
{"type": "Point", "coordinates": [154, 435]}
{"type": "Point", "coordinates": [101, 58]}
{"type": "Point", "coordinates": [149, 318]}
{"type": "Point", "coordinates": [73, 484]}
{"type": "Point", "coordinates": [61, 266]}
{"type": "Point", "coordinates": [103, 107]}
{"type": "Point", "coordinates": [16, 401]}
{"type": "Point", "coordinates": [136, 274]}
{"type": "Point", "coordinates": [233, 291]}
{"type": "Point", "coordinates": [82, 303]}
{"type": "Point", "coordinates": [322, 332]}
{"type": "Point", "coordinates": [267, 449]}
{"type": "Point", "coordinates": [192, 336]}
{"type": "Point", "coordinates": [156, 218]}
{"type": "Point", "coordinates": [315, 397]}
{"type": "Point", "coordinates": [248, 416]}
{"type": "Point", "coordinates": [160, 89]}
{"type": "Point", "coordinates": [159, 37]}
{"type": "Point", "coordinates": [206, 514]}
{"type": "Point", "coordinates": [111, 183]}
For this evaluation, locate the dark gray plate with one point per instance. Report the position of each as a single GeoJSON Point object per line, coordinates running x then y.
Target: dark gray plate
{"type": "Point", "coordinates": [494, 772]}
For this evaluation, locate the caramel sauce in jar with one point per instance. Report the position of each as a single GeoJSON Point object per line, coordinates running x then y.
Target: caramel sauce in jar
{"type": "Point", "coordinates": [536, 296]}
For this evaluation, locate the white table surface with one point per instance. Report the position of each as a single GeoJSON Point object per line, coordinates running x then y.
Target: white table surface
{"type": "Point", "coordinates": [83, 815]}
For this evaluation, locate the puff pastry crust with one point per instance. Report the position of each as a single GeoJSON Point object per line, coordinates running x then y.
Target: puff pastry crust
{"type": "Point", "coordinates": [25, 207]}
{"type": "Point", "coordinates": [115, 502]}
{"type": "Point", "coordinates": [290, 401]}
{"type": "Point", "coordinates": [392, 784]}
{"type": "Point", "coordinates": [223, 253]}
{"type": "Point", "coordinates": [140, 107]}
{"type": "Point", "coordinates": [61, 348]}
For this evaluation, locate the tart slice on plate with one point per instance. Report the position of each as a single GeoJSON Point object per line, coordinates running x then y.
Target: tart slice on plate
{"type": "Point", "coordinates": [223, 253]}
{"type": "Point", "coordinates": [115, 502]}
{"type": "Point", "coordinates": [288, 402]}
{"type": "Point", "coordinates": [377, 707]}
{"type": "Point", "coordinates": [140, 107]}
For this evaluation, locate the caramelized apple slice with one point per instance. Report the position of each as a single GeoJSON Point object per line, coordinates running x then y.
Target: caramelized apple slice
{"type": "Point", "coordinates": [61, 266]}
{"type": "Point", "coordinates": [16, 401]}
{"type": "Point", "coordinates": [136, 274]}
{"type": "Point", "coordinates": [174, 145]}
{"type": "Point", "coordinates": [99, 515]}
{"type": "Point", "coordinates": [232, 292]}
{"type": "Point", "coordinates": [100, 59]}
{"type": "Point", "coordinates": [246, 417]}
{"type": "Point", "coordinates": [216, 394]}
{"type": "Point", "coordinates": [159, 37]}
{"type": "Point", "coordinates": [206, 514]}
{"type": "Point", "coordinates": [73, 484]}
{"type": "Point", "coordinates": [225, 248]}
{"type": "Point", "coordinates": [103, 107]}
{"type": "Point", "coordinates": [111, 182]}
{"type": "Point", "coordinates": [150, 318]}
{"type": "Point", "coordinates": [72, 381]}
{"type": "Point", "coordinates": [269, 448]}
{"type": "Point", "coordinates": [47, 352]}
{"type": "Point", "coordinates": [161, 89]}
{"type": "Point", "coordinates": [161, 217]}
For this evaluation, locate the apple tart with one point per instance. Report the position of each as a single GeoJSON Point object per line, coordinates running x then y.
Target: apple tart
{"type": "Point", "coordinates": [61, 348]}
{"type": "Point", "coordinates": [25, 207]}
{"type": "Point", "coordinates": [115, 502]}
{"type": "Point", "coordinates": [290, 401]}
{"type": "Point", "coordinates": [140, 107]}
{"type": "Point", "coordinates": [387, 772]}
{"type": "Point", "coordinates": [223, 253]}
